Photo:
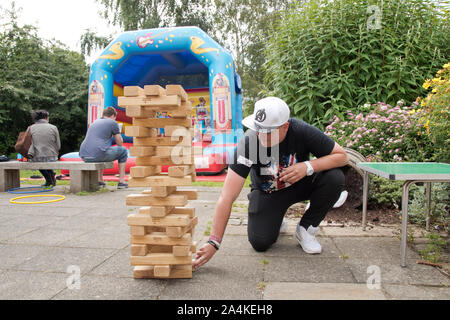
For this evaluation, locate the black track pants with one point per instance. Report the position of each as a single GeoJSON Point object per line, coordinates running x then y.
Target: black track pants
{"type": "Point", "coordinates": [266, 210]}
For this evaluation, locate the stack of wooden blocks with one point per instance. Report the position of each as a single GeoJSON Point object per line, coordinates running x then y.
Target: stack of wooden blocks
{"type": "Point", "coordinates": [162, 232]}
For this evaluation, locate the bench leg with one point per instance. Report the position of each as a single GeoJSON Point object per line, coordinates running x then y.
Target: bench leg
{"type": "Point", "coordinates": [83, 180]}
{"type": "Point", "coordinates": [9, 178]}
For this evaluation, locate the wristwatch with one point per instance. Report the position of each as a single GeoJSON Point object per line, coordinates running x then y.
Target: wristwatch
{"type": "Point", "coordinates": [309, 168]}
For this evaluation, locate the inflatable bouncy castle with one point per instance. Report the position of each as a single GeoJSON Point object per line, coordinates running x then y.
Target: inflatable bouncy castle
{"type": "Point", "coordinates": [186, 56]}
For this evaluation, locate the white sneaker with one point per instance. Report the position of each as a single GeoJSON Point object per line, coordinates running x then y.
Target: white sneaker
{"type": "Point", "coordinates": [284, 226]}
{"type": "Point", "coordinates": [341, 199]}
{"type": "Point", "coordinates": [338, 203]}
{"type": "Point", "coordinates": [307, 239]}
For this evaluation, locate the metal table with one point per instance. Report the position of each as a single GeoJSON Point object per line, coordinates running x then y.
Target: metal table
{"type": "Point", "coordinates": [410, 172]}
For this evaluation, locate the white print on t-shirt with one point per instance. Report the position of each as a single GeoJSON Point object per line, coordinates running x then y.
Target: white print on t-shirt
{"type": "Point", "coordinates": [244, 161]}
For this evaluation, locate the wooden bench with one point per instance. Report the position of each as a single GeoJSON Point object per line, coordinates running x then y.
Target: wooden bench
{"type": "Point", "coordinates": [83, 176]}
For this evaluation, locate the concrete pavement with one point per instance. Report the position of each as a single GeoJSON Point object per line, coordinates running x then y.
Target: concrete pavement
{"type": "Point", "coordinates": [43, 246]}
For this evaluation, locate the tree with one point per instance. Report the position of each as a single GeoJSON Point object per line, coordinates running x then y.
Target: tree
{"type": "Point", "coordinates": [39, 74]}
{"type": "Point", "coordinates": [329, 56]}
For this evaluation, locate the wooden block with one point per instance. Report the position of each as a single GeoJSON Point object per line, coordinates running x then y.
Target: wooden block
{"type": "Point", "coordinates": [155, 211]}
{"type": "Point", "coordinates": [176, 272]}
{"type": "Point", "coordinates": [133, 91]}
{"type": "Point", "coordinates": [194, 247]}
{"type": "Point", "coordinates": [149, 200]}
{"type": "Point", "coordinates": [142, 151]}
{"type": "Point", "coordinates": [158, 161]}
{"type": "Point", "coordinates": [134, 131]}
{"type": "Point", "coordinates": [162, 191]}
{"type": "Point", "coordinates": [175, 151]}
{"type": "Point", "coordinates": [154, 90]}
{"type": "Point", "coordinates": [162, 122]}
{"type": "Point", "coordinates": [175, 89]}
{"type": "Point", "coordinates": [139, 249]}
{"type": "Point", "coordinates": [189, 211]}
{"type": "Point", "coordinates": [194, 177]}
{"type": "Point", "coordinates": [162, 271]}
{"type": "Point", "coordinates": [140, 112]}
{"type": "Point", "coordinates": [157, 181]}
{"type": "Point", "coordinates": [161, 238]}
{"type": "Point", "coordinates": [137, 230]}
{"type": "Point", "coordinates": [144, 171]}
{"type": "Point", "coordinates": [190, 193]}
{"type": "Point", "coordinates": [181, 251]}
{"type": "Point", "coordinates": [177, 131]}
{"type": "Point", "coordinates": [150, 101]}
{"type": "Point", "coordinates": [183, 111]}
{"type": "Point", "coordinates": [171, 220]}
{"type": "Point", "coordinates": [180, 171]}
{"type": "Point", "coordinates": [159, 249]}
{"type": "Point", "coordinates": [177, 232]}
{"type": "Point", "coordinates": [159, 258]}
{"type": "Point", "coordinates": [160, 141]}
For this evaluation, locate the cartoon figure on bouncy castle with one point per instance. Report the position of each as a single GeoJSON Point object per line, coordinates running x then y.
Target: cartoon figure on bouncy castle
{"type": "Point", "coordinates": [186, 56]}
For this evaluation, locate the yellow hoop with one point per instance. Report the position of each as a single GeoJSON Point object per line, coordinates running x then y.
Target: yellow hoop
{"type": "Point", "coordinates": [13, 200]}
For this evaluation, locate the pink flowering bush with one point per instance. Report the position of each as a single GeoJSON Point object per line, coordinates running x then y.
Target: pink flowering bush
{"type": "Point", "coordinates": [383, 133]}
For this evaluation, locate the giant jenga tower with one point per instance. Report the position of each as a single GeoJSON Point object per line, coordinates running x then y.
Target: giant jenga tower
{"type": "Point", "coordinates": [162, 232]}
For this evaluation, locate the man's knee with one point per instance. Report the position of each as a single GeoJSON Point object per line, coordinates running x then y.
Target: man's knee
{"type": "Point", "coordinates": [334, 178]}
{"type": "Point", "coordinates": [260, 244]}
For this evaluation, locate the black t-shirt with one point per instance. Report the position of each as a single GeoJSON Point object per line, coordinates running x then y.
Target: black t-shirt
{"type": "Point", "coordinates": [265, 164]}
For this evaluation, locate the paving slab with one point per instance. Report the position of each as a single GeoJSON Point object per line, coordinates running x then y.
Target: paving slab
{"type": "Point", "coordinates": [14, 254]}
{"type": "Point", "coordinates": [320, 291]}
{"type": "Point", "coordinates": [118, 265]}
{"type": "Point", "coordinates": [57, 259]}
{"type": "Point", "coordinates": [23, 285]}
{"type": "Point", "coordinates": [411, 292]}
{"type": "Point", "coordinates": [93, 287]}
{"type": "Point", "coordinates": [47, 236]}
{"type": "Point", "coordinates": [112, 237]}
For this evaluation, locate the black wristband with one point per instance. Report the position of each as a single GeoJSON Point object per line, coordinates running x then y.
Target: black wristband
{"type": "Point", "coordinates": [213, 244]}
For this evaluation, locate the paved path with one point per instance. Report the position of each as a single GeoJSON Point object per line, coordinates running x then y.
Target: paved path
{"type": "Point", "coordinates": [39, 244]}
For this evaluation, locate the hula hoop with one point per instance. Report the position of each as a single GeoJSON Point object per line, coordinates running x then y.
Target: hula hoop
{"type": "Point", "coordinates": [13, 200]}
{"type": "Point", "coordinates": [37, 191]}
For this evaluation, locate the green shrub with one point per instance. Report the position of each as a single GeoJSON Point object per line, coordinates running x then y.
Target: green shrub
{"type": "Point", "coordinates": [326, 56]}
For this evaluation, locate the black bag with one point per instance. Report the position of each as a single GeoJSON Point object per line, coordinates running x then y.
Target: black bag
{"type": "Point", "coordinates": [23, 143]}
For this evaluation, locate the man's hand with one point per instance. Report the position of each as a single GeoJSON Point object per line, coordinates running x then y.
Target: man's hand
{"type": "Point", "coordinates": [293, 173]}
{"type": "Point", "coordinates": [203, 255]}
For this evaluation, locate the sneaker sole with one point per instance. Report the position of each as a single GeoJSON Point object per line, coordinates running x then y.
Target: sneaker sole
{"type": "Point", "coordinates": [306, 250]}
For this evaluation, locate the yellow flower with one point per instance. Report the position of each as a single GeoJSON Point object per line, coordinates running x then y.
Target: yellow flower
{"type": "Point", "coordinates": [412, 112]}
{"type": "Point", "coordinates": [426, 84]}
{"type": "Point", "coordinates": [447, 65]}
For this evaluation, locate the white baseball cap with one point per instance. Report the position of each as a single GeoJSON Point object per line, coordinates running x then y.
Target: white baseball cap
{"type": "Point", "coordinates": [269, 114]}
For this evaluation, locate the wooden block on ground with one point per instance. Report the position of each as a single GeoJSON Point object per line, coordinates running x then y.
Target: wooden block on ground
{"type": "Point", "coordinates": [190, 193]}
{"type": "Point", "coordinates": [139, 249]}
{"type": "Point", "coordinates": [180, 171]}
{"type": "Point", "coordinates": [177, 131]}
{"type": "Point", "coordinates": [159, 258]}
{"type": "Point", "coordinates": [177, 232]}
{"type": "Point", "coordinates": [133, 91]}
{"type": "Point", "coordinates": [155, 211]}
{"type": "Point", "coordinates": [134, 131]}
{"type": "Point", "coordinates": [171, 220]}
{"type": "Point", "coordinates": [181, 251]}
{"type": "Point", "coordinates": [140, 112]}
{"type": "Point", "coordinates": [154, 90]}
{"type": "Point", "coordinates": [162, 271]}
{"type": "Point", "coordinates": [161, 238]}
{"type": "Point", "coordinates": [162, 191]}
{"type": "Point", "coordinates": [137, 231]}
{"type": "Point", "coordinates": [162, 122]}
{"type": "Point", "coordinates": [144, 171]}
{"type": "Point", "coordinates": [150, 101]}
{"type": "Point", "coordinates": [189, 211]}
{"type": "Point", "coordinates": [158, 161]}
{"type": "Point", "coordinates": [156, 181]}
{"type": "Point", "coordinates": [149, 200]}
{"type": "Point", "coordinates": [142, 151]}
{"type": "Point", "coordinates": [176, 89]}
{"type": "Point", "coordinates": [159, 141]}
{"type": "Point", "coordinates": [176, 272]}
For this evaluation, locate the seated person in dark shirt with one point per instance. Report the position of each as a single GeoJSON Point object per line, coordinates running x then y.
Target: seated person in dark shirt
{"type": "Point", "coordinates": [96, 145]}
{"type": "Point", "coordinates": [276, 154]}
